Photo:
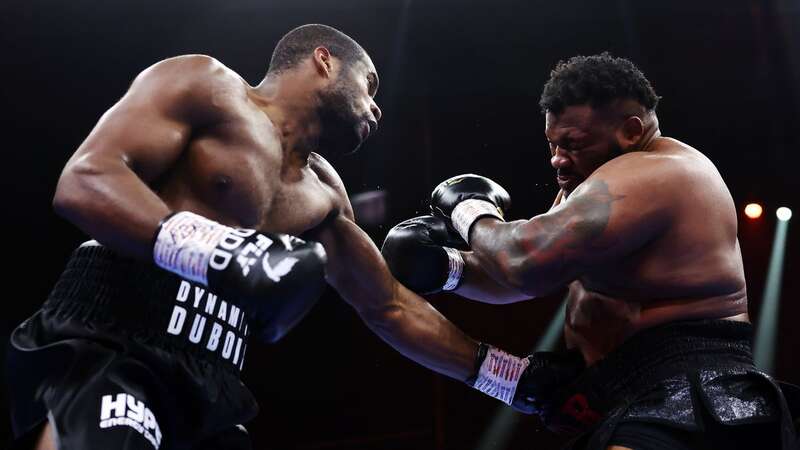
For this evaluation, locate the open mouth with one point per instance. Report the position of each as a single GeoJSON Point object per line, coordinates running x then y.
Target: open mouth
{"type": "Point", "coordinates": [565, 181]}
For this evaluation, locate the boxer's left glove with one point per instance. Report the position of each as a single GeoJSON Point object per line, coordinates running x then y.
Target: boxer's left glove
{"type": "Point", "coordinates": [463, 199]}
{"type": "Point", "coordinates": [530, 385]}
{"type": "Point", "coordinates": [422, 253]}
{"type": "Point", "coordinates": [274, 276]}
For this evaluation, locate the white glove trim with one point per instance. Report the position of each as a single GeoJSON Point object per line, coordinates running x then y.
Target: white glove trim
{"type": "Point", "coordinates": [468, 211]}
{"type": "Point", "coordinates": [185, 243]}
{"type": "Point", "coordinates": [455, 268]}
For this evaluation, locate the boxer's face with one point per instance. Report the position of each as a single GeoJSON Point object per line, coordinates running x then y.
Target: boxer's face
{"type": "Point", "coordinates": [348, 112]}
{"type": "Point", "coordinates": [581, 139]}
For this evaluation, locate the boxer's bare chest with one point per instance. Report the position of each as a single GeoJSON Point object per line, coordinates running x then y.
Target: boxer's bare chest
{"type": "Point", "coordinates": [237, 173]}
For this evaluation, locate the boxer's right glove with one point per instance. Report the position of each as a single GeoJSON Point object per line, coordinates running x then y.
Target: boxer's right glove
{"type": "Point", "coordinates": [463, 199]}
{"type": "Point", "coordinates": [530, 384]}
{"type": "Point", "coordinates": [272, 275]}
{"type": "Point", "coordinates": [422, 253]}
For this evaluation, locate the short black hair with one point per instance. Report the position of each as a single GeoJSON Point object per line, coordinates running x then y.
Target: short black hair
{"type": "Point", "coordinates": [298, 44]}
{"type": "Point", "coordinates": [595, 80]}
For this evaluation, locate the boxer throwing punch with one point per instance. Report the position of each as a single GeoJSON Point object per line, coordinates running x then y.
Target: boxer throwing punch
{"type": "Point", "coordinates": [644, 234]}
{"type": "Point", "coordinates": [196, 187]}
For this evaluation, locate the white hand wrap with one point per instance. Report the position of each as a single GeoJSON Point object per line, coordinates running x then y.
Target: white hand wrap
{"type": "Point", "coordinates": [455, 268]}
{"type": "Point", "coordinates": [468, 211]}
{"type": "Point", "coordinates": [499, 374]}
{"type": "Point", "coordinates": [185, 243]}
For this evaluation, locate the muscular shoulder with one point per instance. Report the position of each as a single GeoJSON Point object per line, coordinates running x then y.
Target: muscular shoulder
{"type": "Point", "coordinates": [672, 164]}
{"type": "Point", "coordinates": [658, 185]}
{"type": "Point", "coordinates": [196, 84]}
{"type": "Point", "coordinates": [198, 71]}
{"type": "Point", "coordinates": [328, 176]}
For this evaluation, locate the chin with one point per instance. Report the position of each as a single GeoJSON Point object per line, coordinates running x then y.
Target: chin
{"type": "Point", "coordinates": [339, 144]}
{"type": "Point", "coordinates": [353, 150]}
{"type": "Point", "coordinates": [339, 150]}
{"type": "Point", "coordinates": [347, 152]}
{"type": "Point", "coordinates": [349, 146]}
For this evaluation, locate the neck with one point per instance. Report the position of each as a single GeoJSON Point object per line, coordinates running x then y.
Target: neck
{"type": "Point", "coordinates": [651, 133]}
{"type": "Point", "coordinates": [290, 107]}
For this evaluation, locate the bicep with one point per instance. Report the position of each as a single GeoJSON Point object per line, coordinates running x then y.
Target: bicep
{"type": "Point", "coordinates": [138, 136]}
{"type": "Point", "coordinates": [602, 220]}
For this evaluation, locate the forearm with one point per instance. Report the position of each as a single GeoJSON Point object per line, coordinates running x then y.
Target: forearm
{"type": "Point", "coordinates": [106, 200]}
{"type": "Point", "coordinates": [494, 249]}
{"type": "Point", "coordinates": [401, 318]}
{"type": "Point", "coordinates": [477, 284]}
{"type": "Point", "coordinates": [418, 331]}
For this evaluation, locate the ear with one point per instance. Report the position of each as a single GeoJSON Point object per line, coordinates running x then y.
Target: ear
{"type": "Point", "coordinates": [630, 132]}
{"type": "Point", "coordinates": [323, 61]}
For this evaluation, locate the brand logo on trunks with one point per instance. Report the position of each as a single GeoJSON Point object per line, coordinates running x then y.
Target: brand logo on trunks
{"type": "Point", "coordinates": [124, 410]}
{"type": "Point", "coordinates": [205, 319]}
{"type": "Point", "coordinates": [251, 253]}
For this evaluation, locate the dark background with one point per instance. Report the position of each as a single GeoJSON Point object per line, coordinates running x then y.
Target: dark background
{"type": "Point", "coordinates": [459, 89]}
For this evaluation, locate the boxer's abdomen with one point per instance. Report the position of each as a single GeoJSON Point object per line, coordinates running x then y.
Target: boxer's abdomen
{"type": "Point", "coordinates": [597, 324]}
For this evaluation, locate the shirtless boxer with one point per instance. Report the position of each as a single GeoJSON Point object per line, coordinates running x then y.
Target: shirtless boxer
{"type": "Point", "coordinates": [644, 234]}
{"type": "Point", "coordinates": [194, 186]}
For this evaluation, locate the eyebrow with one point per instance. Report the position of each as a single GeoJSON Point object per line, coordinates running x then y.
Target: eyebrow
{"type": "Point", "coordinates": [571, 135]}
{"type": "Point", "coordinates": [558, 134]}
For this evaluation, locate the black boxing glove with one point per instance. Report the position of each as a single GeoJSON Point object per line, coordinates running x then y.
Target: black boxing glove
{"type": "Point", "coordinates": [274, 277]}
{"type": "Point", "coordinates": [422, 253]}
{"type": "Point", "coordinates": [531, 384]}
{"type": "Point", "coordinates": [463, 199]}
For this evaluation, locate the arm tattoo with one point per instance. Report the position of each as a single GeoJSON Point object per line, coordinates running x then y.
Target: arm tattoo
{"type": "Point", "coordinates": [575, 228]}
{"type": "Point", "coordinates": [551, 248]}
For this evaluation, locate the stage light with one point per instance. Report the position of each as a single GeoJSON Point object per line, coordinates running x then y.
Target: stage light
{"type": "Point", "coordinates": [767, 329]}
{"type": "Point", "coordinates": [753, 210]}
{"type": "Point", "coordinates": [501, 428]}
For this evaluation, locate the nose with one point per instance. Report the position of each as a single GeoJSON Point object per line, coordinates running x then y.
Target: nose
{"type": "Point", "coordinates": [559, 160]}
{"type": "Point", "coordinates": [376, 111]}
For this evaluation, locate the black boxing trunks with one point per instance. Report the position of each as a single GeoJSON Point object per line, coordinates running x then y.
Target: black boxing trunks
{"type": "Point", "coordinates": [694, 380]}
{"type": "Point", "coordinates": [124, 355]}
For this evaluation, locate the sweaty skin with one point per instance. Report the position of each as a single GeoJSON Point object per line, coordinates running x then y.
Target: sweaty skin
{"type": "Point", "coordinates": [643, 237]}
{"type": "Point", "coordinates": [190, 134]}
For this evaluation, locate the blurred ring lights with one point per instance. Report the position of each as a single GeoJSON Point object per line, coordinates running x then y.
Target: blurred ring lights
{"type": "Point", "coordinates": [753, 210]}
